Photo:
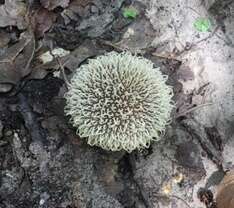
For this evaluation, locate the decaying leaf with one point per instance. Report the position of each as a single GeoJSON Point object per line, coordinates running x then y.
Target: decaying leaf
{"type": "Point", "coordinates": [12, 14]}
{"type": "Point", "coordinates": [75, 10]}
{"type": "Point", "coordinates": [13, 51]}
{"type": "Point", "coordinates": [14, 63]}
{"type": "Point", "coordinates": [225, 195]}
{"type": "Point", "coordinates": [70, 61]}
{"type": "Point", "coordinates": [97, 24]}
{"type": "Point", "coordinates": [185, 73]}
{"type": "Point", "coordinates": [92, 23]}
{"type": "Point", "coordinates": [4, 39]}
{"type": "Point", "coordinates": [42, 21]}
{"type": "Point", "coordinates": [52, 4]}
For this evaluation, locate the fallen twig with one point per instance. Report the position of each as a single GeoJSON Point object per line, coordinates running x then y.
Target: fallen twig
{"type": "Point", "coordinates": [61, 66]}
{"type": "Point", "coordinates": [192, 109]}
{"type": "Point", "coordinates": [172, 57]}
{"type": "Point", "coordinates": [63, 72]}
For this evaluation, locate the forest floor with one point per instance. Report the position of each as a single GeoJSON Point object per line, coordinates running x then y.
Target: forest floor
{"type": "Point", "coordinates": [44, 164]}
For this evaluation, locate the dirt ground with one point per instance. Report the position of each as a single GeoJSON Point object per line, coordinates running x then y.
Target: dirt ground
{"type": "Point", "coordinates": [44, 164]}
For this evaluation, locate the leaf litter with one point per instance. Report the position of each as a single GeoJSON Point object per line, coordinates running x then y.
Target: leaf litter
{"type": "Point", "coordinates": [12, 14]}
{"type": "Point", "coordinates": [80, 26]}
{"type": "Point", "coordinates": [15, 62]}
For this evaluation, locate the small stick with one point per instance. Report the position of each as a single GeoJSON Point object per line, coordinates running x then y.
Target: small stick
{"type": "Point", "coordinates": [192, 109]}
{"type": "Point", "coordinates": [63, 72]}
{"type": "Point", "coordinates": [61, 67]}
{"type": "Point", "coordinates": [170, 57]}
{"type": "Point", "coordinates": [115, 46]}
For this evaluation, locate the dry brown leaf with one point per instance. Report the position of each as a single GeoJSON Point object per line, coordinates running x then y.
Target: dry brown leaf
{"type": "Point", "coordinates": [12, 14]}
{"type": "Point", "coordinates": [225, 195]}
{"type": "Point", "coordinates": [14, 63]}
{"type": "Point", "coordinates": [52, 4]}
{"type": "Point", "coordinates": [42, 21]}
